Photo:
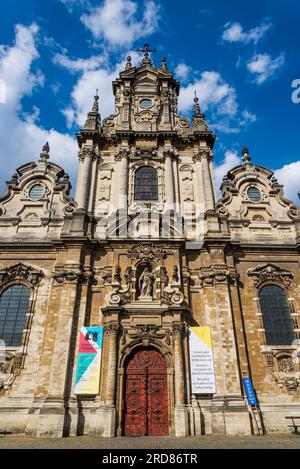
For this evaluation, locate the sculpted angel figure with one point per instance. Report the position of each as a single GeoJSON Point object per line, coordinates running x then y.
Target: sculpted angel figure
{"type": "Point", "coordinates": [146, 282]}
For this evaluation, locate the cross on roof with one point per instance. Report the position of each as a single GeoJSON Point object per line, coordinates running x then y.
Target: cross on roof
{"type": "Point", "coordinates": [146, 49]}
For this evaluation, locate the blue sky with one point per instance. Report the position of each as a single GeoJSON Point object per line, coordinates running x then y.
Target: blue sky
{"type": "Point", "coordinates": [242, 62]}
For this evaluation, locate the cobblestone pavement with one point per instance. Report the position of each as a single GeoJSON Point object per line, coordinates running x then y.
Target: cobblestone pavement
{"type": "Point", "coordinates": [203, 442]}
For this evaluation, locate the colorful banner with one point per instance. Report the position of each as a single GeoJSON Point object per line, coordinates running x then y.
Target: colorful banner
{"type": "Point", "coordinates": [89, 360]}
{"type": "Point", "coordinates": [201, 361]}
{"type": "Point", "coordinates": [251, 397]}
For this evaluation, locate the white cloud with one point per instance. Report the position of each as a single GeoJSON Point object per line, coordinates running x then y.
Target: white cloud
{"type": "Point", "coordinates": [289, 176]}
{"type": "Point", "coordinates": [117, 21]}
{"type": "Point", "coordinates": [80, 65]}
{"type": "Point", "coordinates": [182, 71]}
{"type": "Point", "coordinates": [234, 32]}
{"type": "Point", "coordinates": [263, 66]}
{"type": "Point", "coordinates": [212, 91]}
{"type": "Point", "coordinates": [231, 159]}
{"type": "Point", "coordinates": [71, 5]}
{"type": "Point", "coordinates": [84, 90]}
{"type": "Point", "coordinates": [21, 137]}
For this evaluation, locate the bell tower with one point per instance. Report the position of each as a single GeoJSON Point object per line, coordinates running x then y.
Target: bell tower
{"type": "Point", "coordinates": [145, 171]}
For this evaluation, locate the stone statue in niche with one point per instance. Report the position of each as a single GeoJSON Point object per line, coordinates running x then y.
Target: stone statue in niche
{"type": "Point", "coordinates": [146, 281]}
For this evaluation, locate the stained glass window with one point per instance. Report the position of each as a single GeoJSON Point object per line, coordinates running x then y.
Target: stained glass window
{"type": "Point", "coordinates": [146, 184]}
{"type": "Point", "coordinates": [14, 305]}
{"type": "Point", "coordinates": [277, 319]}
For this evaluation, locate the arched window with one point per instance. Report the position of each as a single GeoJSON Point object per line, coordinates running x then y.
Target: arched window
{"type": "Point", "coordinates": [14, 305]}
{"type": "Point", "coordinates": [277, 319]}
{"type": "Point", "coordinates": [146, 184]}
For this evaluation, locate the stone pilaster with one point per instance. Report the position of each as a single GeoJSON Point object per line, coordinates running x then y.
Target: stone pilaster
{"type": "Point", "coordinates": [169, 180]}
{"type": "Point", "coordinates": [123, 180]}
{"type": "Point", "coordinates": [181, 418]}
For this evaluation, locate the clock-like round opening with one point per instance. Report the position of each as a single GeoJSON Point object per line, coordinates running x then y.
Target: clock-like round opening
{"type": "Point", "coordinates": [36, 192]}
{"type": "Point", "coordinates": [145, 103]}
{"type": "Point", "coordinates": [254, 194]}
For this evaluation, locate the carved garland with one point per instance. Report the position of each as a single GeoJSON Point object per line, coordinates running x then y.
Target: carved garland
{"type": "Point", "coordinates": [270, 273]}
{"type": "Point", "coordinates": [211, 277]}
{"type": "Point", "coordinates": [73, 275]}
{"type": "Point", "coordinates": [21, 272]}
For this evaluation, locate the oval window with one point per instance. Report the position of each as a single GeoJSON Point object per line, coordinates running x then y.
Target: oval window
{"type": "Point", "coordinates": [145, 103]}
{"type": "Point", "coordinates": [37, 192]}
{"type": "Point", "coordinates": [254, 194]}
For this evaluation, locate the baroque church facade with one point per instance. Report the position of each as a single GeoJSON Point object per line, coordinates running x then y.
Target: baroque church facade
{"type": "Point", "coordinates": [146, 251]}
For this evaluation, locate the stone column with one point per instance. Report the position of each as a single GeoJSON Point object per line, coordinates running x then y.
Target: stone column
{"type": "Point", "coordinates": [109, 412]}
{"type": "Point", "coordinates": [207, 181]}
{"type": "Point", "coordinates": [181, 428]}
{"type": "Point", "coordinates": [123, 180]}
{"type": "Point", "coordinates": [169, 180]}
{"type": "Point", "coordinates": [111, 330]}
{"type": "Point", "coordinates": [84, 174]}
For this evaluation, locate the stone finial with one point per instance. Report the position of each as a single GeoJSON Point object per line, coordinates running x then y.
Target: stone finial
{"type": "Point", "coordinates": [128, 63]}
{"type": "Point", "coordinates": [93, 118]}
{"type": "Point", "coordinates": [246, 156]}
{"type": "Point", "coordinates": [44, 156]}
{"type": "Point", "coordinates": [198, 120]}
{"type": "Point", "coordinates": [95, 107]}
{"type": "Point", "coordinates": [163, 64]}
{"type": "Point", "coordinates": [197, 110]}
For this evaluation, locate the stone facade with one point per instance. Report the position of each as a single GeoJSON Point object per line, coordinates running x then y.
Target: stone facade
{"type": "Point", "coordinates": [206, 260]}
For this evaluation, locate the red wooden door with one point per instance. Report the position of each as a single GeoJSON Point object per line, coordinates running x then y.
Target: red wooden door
{"type": "Point", "coordinates": [146, 394]}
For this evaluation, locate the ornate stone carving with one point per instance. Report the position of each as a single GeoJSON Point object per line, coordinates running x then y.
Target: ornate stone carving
{"type": "Point", "coordinates": [21, 272]}
{"type": "Point", "coordinates": [145, 116]}
{"type": "Point", "coordinates": [72, 275]}
{"type": "Point", "coordinates": [270, 273]}
{"type": "Point", "coordinates": [111, 328]}
{"type": "Point", "coordinates": [146, 331]}
{"type": "Point", "coordinates": [70, 208]}
{"type": "Point", "coordinates": [172, 296]}
{"type": "Point", "coordinates": [123, 153]}
{"type": "Point", "coordinates": [285, 364]}
{"type": "Point", "coordinates": [203, 154]}
{"type": "Point", "coordinates": [120, 296]}
{"type": "Point", "coordinates": [210, 277]}
{"type": "Point", "coordinates": [283, 369]}
{"type": "Point", "coordinates": [86, 153]}
{"type": "Point", "coordinates": [9, 370]}
{"type": "Point", "coordinates": [147, 251]}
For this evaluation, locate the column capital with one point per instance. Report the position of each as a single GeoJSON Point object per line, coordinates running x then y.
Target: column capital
{"type": "Point", "coordinates": [123, 153]}
{"type": "Point", "coordinates": [170, 152]}
{"type": "Point", "coordinates": [203, 154]}
{"type": "Point", "coordinates": [86, 153]}
{"type": "Point", "coordinates": [111, 328]}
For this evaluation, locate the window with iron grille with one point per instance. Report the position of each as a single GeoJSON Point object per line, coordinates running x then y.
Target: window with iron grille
{"type": "Point", "coordinates": [146, 184]}
{"type": "Point", "coordinates": [277, 320]}
{"type": "Point", "coordinates": [14, 305]}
